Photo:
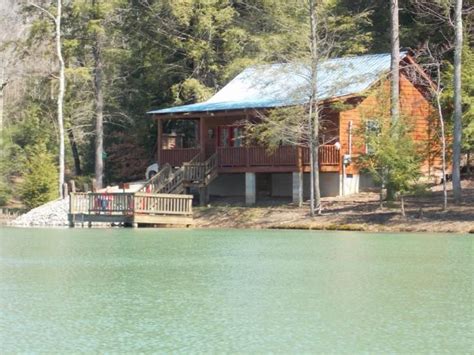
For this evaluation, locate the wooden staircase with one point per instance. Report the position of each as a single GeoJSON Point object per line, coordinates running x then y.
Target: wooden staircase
{"type": "Point", "coordinates": [161, 200]}
{"type": "Point", "coordinates": [195, 173]}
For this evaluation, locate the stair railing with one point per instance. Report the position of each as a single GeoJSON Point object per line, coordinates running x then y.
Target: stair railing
{"type": "Point", "coordinates": [157, 181]}
{"type": "Point", "coordinates": [211, 163]}
{"type": "Point", "coordinates": [194, 169]}
{"type": "Point", "coordinates": [210, 169]}
{"type": "Point", "coordinates": [174, 183]}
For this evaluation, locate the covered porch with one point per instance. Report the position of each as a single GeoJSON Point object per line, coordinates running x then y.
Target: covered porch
{"type": "Point", "coordinates": [223, 134]}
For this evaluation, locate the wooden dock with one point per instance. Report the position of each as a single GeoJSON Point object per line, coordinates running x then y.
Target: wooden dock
{"type": "Point", "coordinates": [130, 209]}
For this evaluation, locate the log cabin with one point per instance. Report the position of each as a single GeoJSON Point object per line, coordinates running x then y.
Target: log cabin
{"type": "Point", "coordinates": [211, 131]}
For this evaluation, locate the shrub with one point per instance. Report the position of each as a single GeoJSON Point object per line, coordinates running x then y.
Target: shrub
{"type": "Point", "coordinates": [5, 192]}
{"type": "Point", "coordinates": [39, 184]}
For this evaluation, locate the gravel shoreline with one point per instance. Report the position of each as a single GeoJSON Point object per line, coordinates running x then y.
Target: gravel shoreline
{"type": "Point", "coordinates": [356, 212]}
{"type": "Point", "coordinates": [53, 214]}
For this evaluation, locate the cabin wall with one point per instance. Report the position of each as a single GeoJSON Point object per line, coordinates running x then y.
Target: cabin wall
{"type": "Point", "coordinates": [412, 104]}
{"type": "Point", "coordinates": [211, 124]}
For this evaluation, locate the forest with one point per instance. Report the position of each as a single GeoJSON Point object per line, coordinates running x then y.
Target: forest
{"type": "Point", "coordinates": [123, 58]}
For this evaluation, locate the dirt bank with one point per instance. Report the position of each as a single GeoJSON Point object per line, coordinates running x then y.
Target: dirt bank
{"type": "Point", "coordinates": [357, 212]}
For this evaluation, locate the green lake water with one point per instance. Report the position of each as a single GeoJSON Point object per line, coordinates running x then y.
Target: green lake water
{"type": "Point", "coordinates": [164, 290]}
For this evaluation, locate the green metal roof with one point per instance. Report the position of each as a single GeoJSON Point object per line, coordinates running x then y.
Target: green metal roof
{"type": "Point", "coordinates": [286, 84]}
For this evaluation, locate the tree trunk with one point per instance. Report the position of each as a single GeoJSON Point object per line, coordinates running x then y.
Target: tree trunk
{"type": "Point", "coordinates": [317, 190]}
{"type": "Point", "coordinates": [311, 160]}
{"type": "Point", "coordinates": [381, 196]}
{"type": "Point", "coordinates": [443, 136]}
{"type": "Point", "coordinates": [99, 107]}
{"type": "Point", "coordinates": [457, 134]}
{"type": "Point", "coordinates": [3, 84]}
{"type": "Point", "coordinates": [395, 62]}
{"type": "Point", "coordinates": [314, 106]}
{"type": "Point", "coordinates": [62, 84]}
{"type": "Point", "coordinates": [402, 204]}
{"type": "Point", "coordinates": [468, 165]}
{"type": "Point", "coordinates": [75, 153]}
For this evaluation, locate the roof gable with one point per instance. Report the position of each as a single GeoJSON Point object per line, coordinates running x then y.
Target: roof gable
{"type": "Point", "coordinates": [276, 85]}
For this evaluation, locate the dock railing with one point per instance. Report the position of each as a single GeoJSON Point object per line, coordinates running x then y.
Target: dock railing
{"type": "Point", "coordinates": [128, 204]}
{"type": "Point", "coordinates": [167, 204]}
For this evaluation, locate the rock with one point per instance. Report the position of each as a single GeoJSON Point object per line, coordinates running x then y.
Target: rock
{"type": "Point", "coordinates": [53, 213]}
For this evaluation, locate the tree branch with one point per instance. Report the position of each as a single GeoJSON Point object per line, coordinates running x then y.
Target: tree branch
{"type": "Point", "coordinates": [44, 10]}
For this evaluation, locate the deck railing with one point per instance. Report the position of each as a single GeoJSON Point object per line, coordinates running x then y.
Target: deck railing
{"type": "Point", "coordinates": [163, 204]}
{"type": "Point", "coordinates": [79, 202]}
{"type": "Point", "coordinates": [130, 203]}
{"type": "Point", "coordinates": [282, 156]}
{"type": "Point", "coordinates": [112, 203]}
{"type": "Point", "coordinates": [328, 155]}
{"type": "Point", "coordinates": [176, 157]}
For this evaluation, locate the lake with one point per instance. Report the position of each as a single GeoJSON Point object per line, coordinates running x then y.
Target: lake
{"type": "Point", "coordinates": [143, 290]}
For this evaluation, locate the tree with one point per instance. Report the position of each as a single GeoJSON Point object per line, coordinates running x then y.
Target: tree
{"type": "Point", "coordinates": [395, 61]}
{"type": "Point", "coordinates": [62, 83]}
{"type": "Point", "coordinates": [438, 91]}
{"type": "Point", "coordinates": [457, 83]}
{"type": "Point", "coordinates": [440, 14]}
{"type": "Point", "coordinates": [38, 186]}
{"type": "Point", "coordinates": [98, 95]}
{"type": "Point", "coordinates": [392, 158]}
{"type": "Point", "coordinates": [313, 112]}
{"type": "Point", "coordinates": [300, 126]}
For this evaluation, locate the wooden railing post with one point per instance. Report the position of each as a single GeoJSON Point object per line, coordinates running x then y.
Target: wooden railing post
{"type": "Point", "coordinates": [160, 141]}
{"type": "Point", "coordinates": [73, 186]}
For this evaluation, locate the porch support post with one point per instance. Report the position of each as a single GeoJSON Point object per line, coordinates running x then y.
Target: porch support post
{"type": "Point", "coordinates": [250, 189]}
{"type": "Point", "coordinates": [202, 137]}
{"type": "Point", "coordinates": [159, 140]}
{"type": "Point", "coordinates": [298, 188]}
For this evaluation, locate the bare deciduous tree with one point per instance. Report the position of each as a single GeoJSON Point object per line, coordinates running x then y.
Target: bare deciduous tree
{"type": "Point", "coordinates": [99, 100]}
{"type": "Point", "coordinates": [313, 115]}
{"type": "Point", "coordinates": [62, 86]}
{"type": "Point", "coordinates": [395, 61]}
{"type": "Point", "coordinates": [441, 12]}
{"type": "Point", "coordinates": [457, 133]}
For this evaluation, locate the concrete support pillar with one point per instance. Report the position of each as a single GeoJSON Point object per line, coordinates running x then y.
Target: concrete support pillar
{"type": "Point", "coordinates": [203, 196]}
{"type": "Point", "coordinates": [298, 188]}
{"type": "Point", "coordinates": [341, 185]}
{"type": "Point", "coordinates": [250, 189]}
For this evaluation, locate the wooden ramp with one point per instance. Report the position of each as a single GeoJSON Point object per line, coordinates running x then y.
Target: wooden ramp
{"type": "Point", "coordinates": [130, 209]}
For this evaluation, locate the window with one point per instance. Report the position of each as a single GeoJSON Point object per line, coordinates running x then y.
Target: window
{"type": "Point", "coordinates": [237, 133]}
{"type": "Point", "coordinates": [230, 136]}
{"type": "Point", "coordinates": [224, 137]}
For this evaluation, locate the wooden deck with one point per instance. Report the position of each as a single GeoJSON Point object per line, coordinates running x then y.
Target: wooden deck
{"type": "Point", "coordinates": [130, 209]}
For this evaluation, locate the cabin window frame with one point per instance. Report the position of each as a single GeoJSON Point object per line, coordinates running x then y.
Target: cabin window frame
{"type": "Point", "coordinates": [234, 136]}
